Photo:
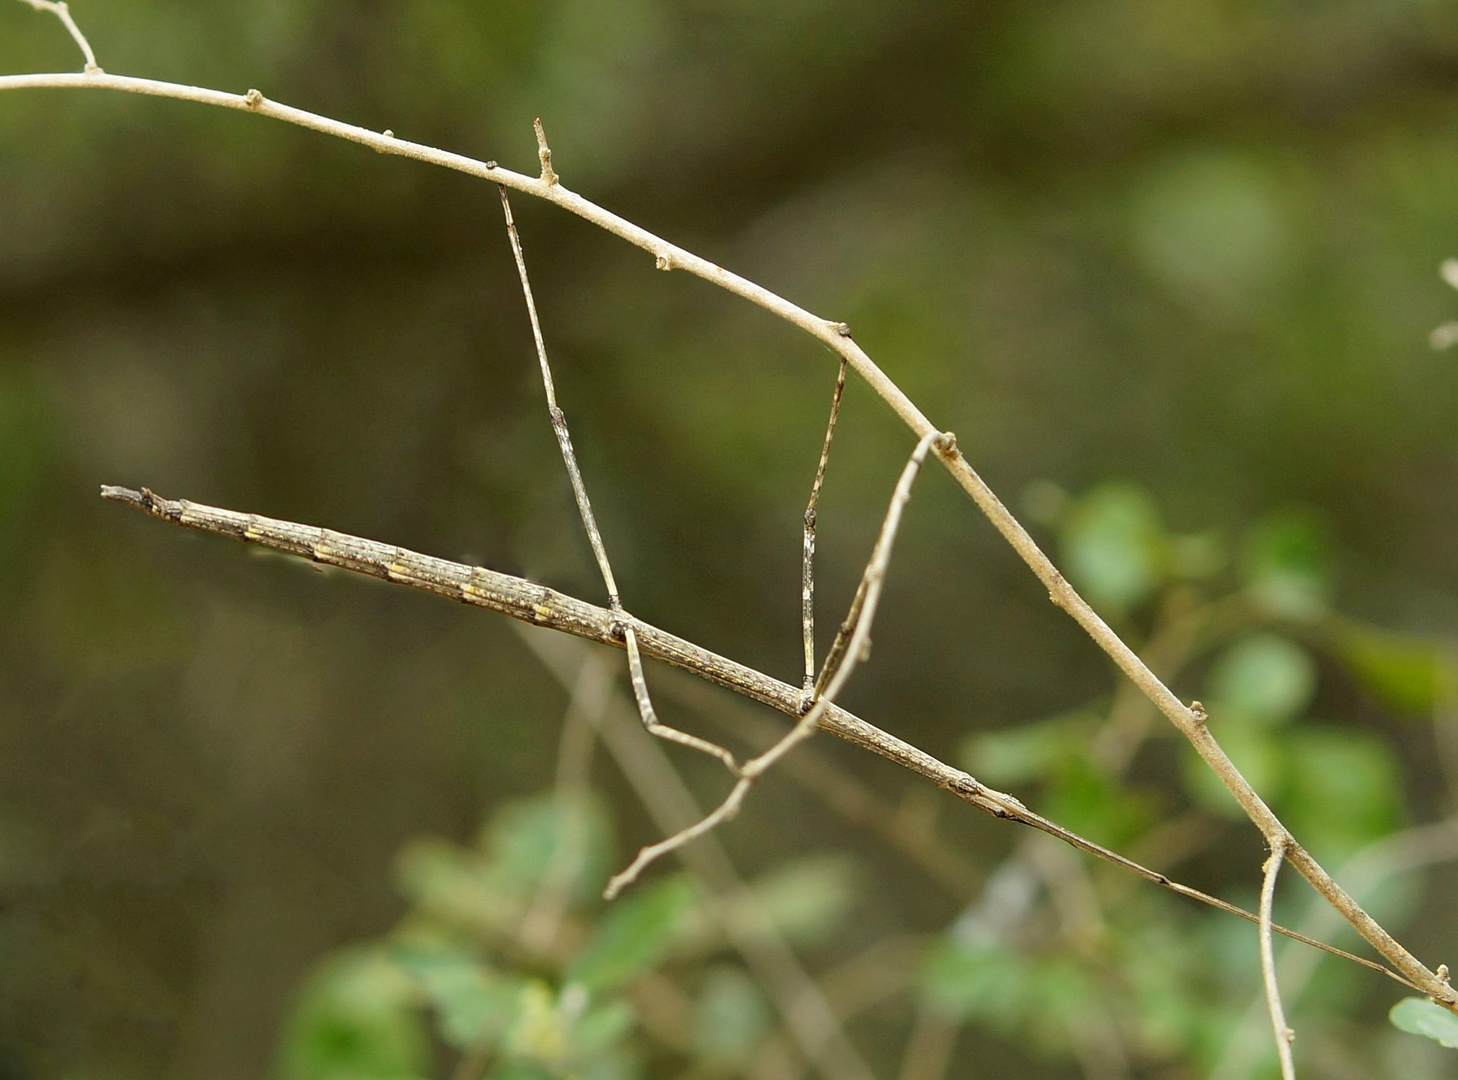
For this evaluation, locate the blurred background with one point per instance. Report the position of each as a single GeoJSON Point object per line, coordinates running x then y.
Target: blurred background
{"type": "Point", "coordinates": [1168, 269]}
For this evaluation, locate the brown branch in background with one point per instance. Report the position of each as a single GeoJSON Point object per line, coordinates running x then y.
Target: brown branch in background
{"type": "Point", "coordinates": [929, 1049]}
{"type": "Point", "coordinates": [1283, 1033]}
{"type": "Point", "coordinates": [537, 604]}
{"type": "Point", "coordinates": [809, 1019]}
{"type": "Point", "coordinates": [836, 335]}
{"type": "Point", "coordinates": [590, 695]}
{"type": "Point", "coordinates": [584, 505]}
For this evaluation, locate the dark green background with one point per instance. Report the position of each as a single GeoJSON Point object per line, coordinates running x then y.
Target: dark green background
{"type": "Point", "coordinates": [1189, 244]}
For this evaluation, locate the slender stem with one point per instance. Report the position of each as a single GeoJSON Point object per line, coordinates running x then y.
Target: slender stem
{"type": "Point", "coordinates": [59, 9]}
{"type": "Point", "coordinates": [1283, 1033]}
{"type": "Point", "coordinates": [590, 695]}
{"type": "Point", "coordinates": [837, 336]}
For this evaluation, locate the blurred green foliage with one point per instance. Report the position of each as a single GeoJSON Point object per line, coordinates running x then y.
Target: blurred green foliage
{"type": "Point", "coordinates": [463, 971]}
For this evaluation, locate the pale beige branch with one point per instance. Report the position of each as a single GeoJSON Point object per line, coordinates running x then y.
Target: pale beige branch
{"type": "Point", "coordinates": [1279, 1027]}
{"type": "Point", "coordinates": [59, 9]}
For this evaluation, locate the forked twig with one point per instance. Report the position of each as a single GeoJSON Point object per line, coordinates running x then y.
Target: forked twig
{"type": "Point", "coordinates": [863, 612]}
{"type": "Point", "coordinates": [59, 9]}
{"type": "Point", "coordinates": [1283, 1033]}
{"type": "Point", "coordinates": [807, 568]}
{"type": "Point", "coordinates": [584, 506]}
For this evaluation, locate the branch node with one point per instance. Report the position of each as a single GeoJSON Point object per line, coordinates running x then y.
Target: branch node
{"type": "Point", "coordinates": [1198, 713]}
{"type": "Point", "coordinates": [387, 133]}
{"type": "Point", "coordinates": [544, 153]}
{"type": "Point", "coordinates": [491, 164]}
{"type": "Point", "coordinates": [843, 329]}
{"type": "Point", "coordinates": [253, 99]}
{"type": "Point", "coordinates": [664, 262]}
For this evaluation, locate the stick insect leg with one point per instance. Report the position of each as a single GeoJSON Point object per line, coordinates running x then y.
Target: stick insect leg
{"type": "Point", "coordinates": [807, 576]}
{"type": "Point", "coordinates": [589, 523]}
{"type": "Point", "coordinates": [851, 645]}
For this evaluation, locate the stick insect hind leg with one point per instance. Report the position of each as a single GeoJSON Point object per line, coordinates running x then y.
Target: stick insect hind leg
{"type": "Point", "coordinates": [594, 537]}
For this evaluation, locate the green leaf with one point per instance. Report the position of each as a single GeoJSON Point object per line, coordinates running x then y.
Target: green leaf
{"type": "Point", "coordinates": [355, 1020]}
{"type": "Point", "coordinates": [1285, 564]}
{"type": "Point", "coordinates": [600, 1030]}
{"type": "Point", "coordinates": [1115, 547]}
{"type": "Point", "coordinates": [475, 1004]}
{"type": "Point", "coordinates": [1344, 792]}
{"type": "Point", "coordinates": [731, 1017]}
{"type": "Point", "coordinates": [539, 1034]}
{"type": "Point", "coordinates": [635, 935]}
{"type": "Point", "coordinates": [1083, 799]}
{"type": "Point", "coordinates": [1255, 752]}
{"type": "Point", "coordinates": [453, 884]}
{"type": "Point", "coordinates": [1269, 677]}
{"type": "Point", "coordinates": [1405, 672]}
{"type": "Point", "coordinates": [806, 901]}
{"type": "Point", "coordinates": [522, 839]}
{"type": "Point", "coordinates": [977, 982]}
{"type": "Point", "coordinates": [1421, 1017]}
{"type": "Point", "coordinates": [1025, 752]}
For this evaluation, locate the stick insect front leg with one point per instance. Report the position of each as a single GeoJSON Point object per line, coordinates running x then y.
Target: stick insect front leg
{"type": "Point", "coordinates": [807, 568]}
{"type": "Point", "coordinates": [589, 523]}
{"type": "Point", "coordinates": [851, 645]}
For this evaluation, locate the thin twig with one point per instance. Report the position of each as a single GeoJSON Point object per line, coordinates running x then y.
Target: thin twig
{"type": "Point", "coordinates": [1283, 1033]}
{"type": "Point", "coordinates": [59, 10]}
{"type": "Point", "coordinates": [856, 629]}
{"type": "Point", "coordinates": [809, 1019]}
{"type": "Point", "coordinates": [929, 1049]}
{"type": "Point", "coordinates": [842, 792]}
{"type": "Point", "coordinates": [590, 695]}
{"type": "Point", "coordinates": [584, 505]}
{"type": "Point", "coordinates": [807, 569]}
{"type": "Point", "coordinates": [1404, 852]}
{"type": "Point", "coordinates": [837, 336]}
{"type": "Point", "coordinates": [537, 604]}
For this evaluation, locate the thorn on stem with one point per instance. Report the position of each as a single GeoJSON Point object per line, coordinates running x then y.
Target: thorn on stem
{"type": "Point", "coordinates": [544, 153]}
